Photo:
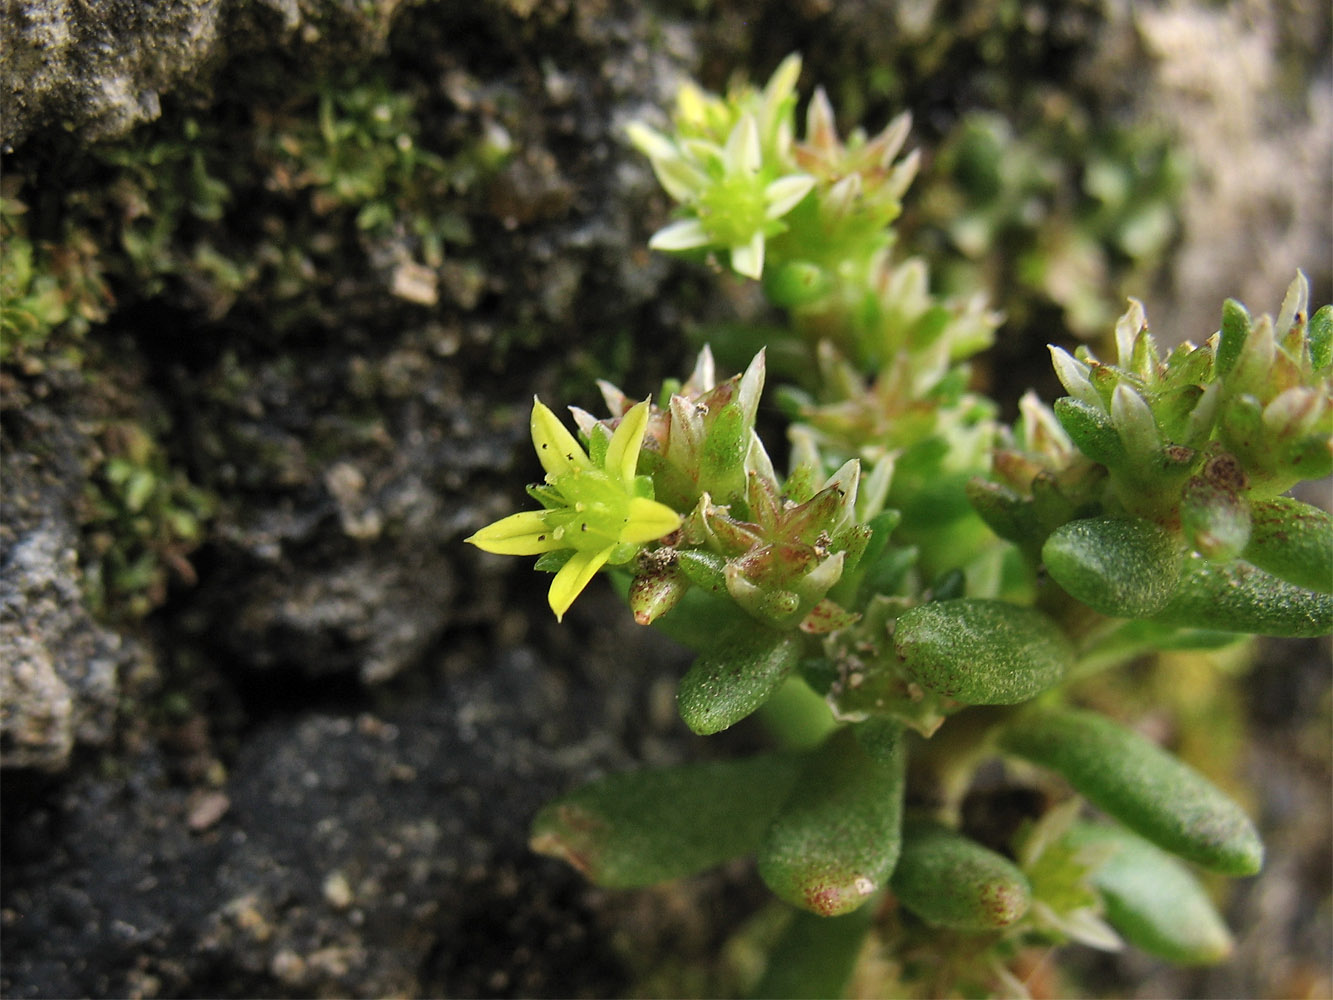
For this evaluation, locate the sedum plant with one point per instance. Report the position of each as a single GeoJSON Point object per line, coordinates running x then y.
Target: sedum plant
{"type": "Point", "coordinates": [915, 596]}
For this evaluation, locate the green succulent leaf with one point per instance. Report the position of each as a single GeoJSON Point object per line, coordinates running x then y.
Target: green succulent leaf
{"type": "Point", "coordinates": [1215, 519]}
{"type": "Point", "coordinates": [1240, 597]}
{"type": "Point", "coordinates": [950, 880]}
{"type": "Point", "coordinates": [834, 842]}
{"type": "Point", "coordinates": [981, 652]}
{"type": "Point", "coordinates": [1122, 567]}
{"type": "Point", "coordinates": [1137, 637]}
{"type": "Point", "coordinates": [1152, 899]}
{"type": "Point", "coordinates": [1005, 512]}
{"type": "Point", "coordinates": [1293, 541]}
{"type": "Point", "coordinates": [632, 829]}
{"type": "Point", "coordinates": [796, 283]}
{"type": "Point", "coordinates": [1140, 784]}
{"type": "Point", "coordinates": [1090, 428]}
{"type": "Point", "coordinates": [736, 676]}
{"type": "Point", "coordinates": [880, 738]}
{"type": "Point", "coordinates": [815, 957]}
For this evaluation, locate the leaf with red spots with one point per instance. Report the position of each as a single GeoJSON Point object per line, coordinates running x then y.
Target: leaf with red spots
{"type": "Point", "coordinates": [1140, 784]}
{"type": "Point", "coordinates": [643, 827]}
{"type": "Point", "coordinates": [835, 840]}
{"type": "Point", "coordinates": [950, 880]}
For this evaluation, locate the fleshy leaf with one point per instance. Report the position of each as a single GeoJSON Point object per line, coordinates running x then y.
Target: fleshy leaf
{"type": "Point", "coordinates": [1004, 511]}
{"type": "Point", "coordinates": [1140, 784]}
{"type": "Point", "coordinates": [1152, 899]}
{"type": "Point", "coordinates": [736, 676]}
{"type": "Point", "coordinates": [1090, 428]}
{"type": "Point", "coordinates": [655, 590]}
{"type": "Point", "coordinates": [834, 842]}
{"type": "Point", "coordinates": [1292, 540]}
{"type": "Point", "coordinates": [1123, 567]}
{"type": "Point", "coordinates": [1215, 519]}
{"type": "Point", "coordinates": [1240, 597]}
{"type": "Point", "coordinates": [633, 829]}
{"type": "Point", "coordinates": [796, 283]}
{"type": "Point", "coordinates": [950, 880]}
{"type": "Point", "coordinates": [815, 957]}
{"type": "Point", "coordinates": [981, 652]}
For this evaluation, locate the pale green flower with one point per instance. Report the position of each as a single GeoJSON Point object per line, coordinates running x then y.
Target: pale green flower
{"type": "Point", "coordinates": [729, 165]}
{"type": "Point", "coordinates": [596, 505]}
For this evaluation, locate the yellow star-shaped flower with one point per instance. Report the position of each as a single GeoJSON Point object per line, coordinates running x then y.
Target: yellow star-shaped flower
{"type": "Point", "coordinates": [602, 510]}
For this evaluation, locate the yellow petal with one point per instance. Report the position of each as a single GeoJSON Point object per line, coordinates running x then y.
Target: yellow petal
{"type": "Point", "coordinates": [572, 578]}
{"type": "Point", "coordinates": [524, 534]}
{"type": "Point", "coordinates": [648, 521]}
{"type": "Point", "coordinates": [622, 452]}
{"type": "Point", "coordinates": [557, 449]}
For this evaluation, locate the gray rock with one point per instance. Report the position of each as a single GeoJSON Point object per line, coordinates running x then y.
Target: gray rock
{"type": "Point", "coordinates": [59, 669]}
{"type": "Point", "coordinates": [360, 854]}
{"type": "Point", "coordinates": [98, 68]}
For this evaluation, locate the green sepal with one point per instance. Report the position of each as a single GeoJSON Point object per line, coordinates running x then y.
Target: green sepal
{"type": "Point", "coordinates": [815, 957]}
{"type": "Point", "coordinates": [1140, 784]}
{"type": "Point", "coordinates": [1153, 900]}
{"type": "Point", "coordinates": [949, 880]}
{"type": "Point", "coordinates": [1232, 336]}
{"type": "Point", "coordinates": [735, 676]}
{"type": "Point", "coordinates": [1240, 429]}
{"type": "Point", "coordinates": [643, 827]}
{"type": "Point", "coordinates": [1091, 429]}
{"type": "Point", "coordinates": [598, 441]}
{"type": "Point", "coordinates": [552, 562]}
{"type": "Point", "coordinates": [1122, 567]}
{"type": "Point", "coordinates": [722, 458]}
{"type": "Point", "coordinates": [1292, 540]}
{"type": "Point", "coordinates": [548, 496]}
{"type": "Point", "coordinates": [981, 652]}
{"type": "Point", "coordinates": [879, 568]}
{"type": "Point", "coordinates": [703, 569]}
{"type": "Point", "coordinates": [1240, 597]}
{"type": "Point", "coordinates": [834, 842]}
{"type": "Point", "coordinates": [1173, 410]}
{"type": "Point", "coordinates": [1321, 338]}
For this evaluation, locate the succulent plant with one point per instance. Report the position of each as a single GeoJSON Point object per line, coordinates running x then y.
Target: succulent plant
{"type": "Point", "coordinates": [927, 583]}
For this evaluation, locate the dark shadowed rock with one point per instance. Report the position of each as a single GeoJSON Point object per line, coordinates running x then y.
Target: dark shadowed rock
{"type": "Point", "coordinates": [366, 853]}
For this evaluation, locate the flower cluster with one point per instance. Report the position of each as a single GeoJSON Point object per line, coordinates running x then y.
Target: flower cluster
{"type": "Point", "coordinates": [1252, 406]}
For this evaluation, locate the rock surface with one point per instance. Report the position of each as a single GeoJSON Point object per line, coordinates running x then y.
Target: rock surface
{"type": "Point", "coordinates": [97, 68]}
{"type": "Point", "coordinates": [60, 670]}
